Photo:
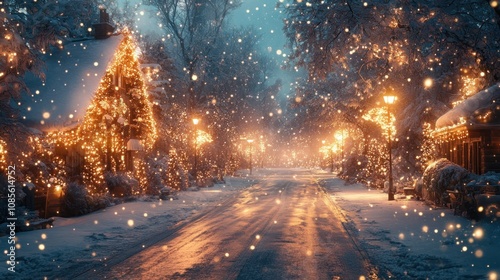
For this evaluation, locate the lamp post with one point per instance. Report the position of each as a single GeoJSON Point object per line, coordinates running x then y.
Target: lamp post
{"type": "Point", "coordinates": [195, 167]}
{"type": "Point", "coordinates": [389, 100]}
{"type": "Point", "coordinates": [250, 141]}
{"type": "Point", "coordinates": [340, 137]}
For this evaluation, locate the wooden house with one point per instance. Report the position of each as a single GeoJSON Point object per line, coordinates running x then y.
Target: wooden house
{"type": "Point", "coordinates": [469, 134]}
{"type": "Point", "coordinates": [92, 106]}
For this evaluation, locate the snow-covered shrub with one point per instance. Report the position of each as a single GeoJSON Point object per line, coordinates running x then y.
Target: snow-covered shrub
{"type": "Point", "coordinates": [98, 202]}
{"type": "Point", "coordinates": [156, 174]}
{"type": "Point", "coordinates": [440, 176]}
{"type": "Point", "coordinates": [167, 193]}
{"type": "Point", "coordinates": [75, 200]}
{"type": "Point", "coordinates": [121, 184]}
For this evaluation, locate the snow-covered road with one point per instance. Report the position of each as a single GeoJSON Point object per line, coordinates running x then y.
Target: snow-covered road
{"type": "Point", "coordinates": [404, 239]}
{"type": "Point", "coordinates": [280, 228]}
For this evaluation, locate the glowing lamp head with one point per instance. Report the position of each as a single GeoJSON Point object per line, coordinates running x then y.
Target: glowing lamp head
{"type": "Point", "coordinates": [389, 99]}
{"type": "Point", "coordinates": [250, 141]}
{"type": "Point", "coordinates": [196, 121]}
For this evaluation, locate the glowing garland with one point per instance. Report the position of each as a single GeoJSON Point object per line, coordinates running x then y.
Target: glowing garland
{"type": "Point", "coordinates": [3, 155]}
{"type": "Point", "coordinates": [115, 112]}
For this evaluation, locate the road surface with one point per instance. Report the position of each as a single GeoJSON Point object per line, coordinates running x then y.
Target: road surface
{"type": "Point", "coordinates": [283, 227]}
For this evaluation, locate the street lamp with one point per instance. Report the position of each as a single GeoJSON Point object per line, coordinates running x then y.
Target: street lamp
{"type": "Point", "coordinates": [340, 137]}
{"type": "Point", "coordinates": [195, 168]}
{"type": "Point", "coordinates": [389, 100]}
{"type": "Point", "coordinates": [250, 141]}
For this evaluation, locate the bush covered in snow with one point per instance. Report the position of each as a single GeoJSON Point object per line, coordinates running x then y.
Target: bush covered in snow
{"type": "Point", "coordinates": [442, 175]}
{"type": "Point", "coordinates": [121, 184]}
{"type": "Point", "coordinates": [78, 202]}
{"type": "Point", "coordinates": [75, 200]}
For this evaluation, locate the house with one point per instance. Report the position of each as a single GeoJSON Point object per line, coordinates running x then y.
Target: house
{"type": "Point", "coordinates": [469, 134]}
{"type": "Point", "coordinates": [92, 107]}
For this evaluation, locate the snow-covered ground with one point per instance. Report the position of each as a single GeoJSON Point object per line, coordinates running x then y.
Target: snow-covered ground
{"type": "Point", "coordinates": [415, 241]}
{"type": "Point", "coordinates": [107, 232]}
{"type": "Point", "coordinates": [404, 237]}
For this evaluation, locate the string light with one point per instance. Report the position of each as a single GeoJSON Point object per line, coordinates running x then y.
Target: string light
{"type": "Point", "coordinates": [116, 115]}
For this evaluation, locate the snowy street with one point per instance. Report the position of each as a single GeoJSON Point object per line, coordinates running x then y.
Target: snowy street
{"type": "Point", "coordinates": [280, 228]}
{"type": "Point", "coordinates": [278, 224]}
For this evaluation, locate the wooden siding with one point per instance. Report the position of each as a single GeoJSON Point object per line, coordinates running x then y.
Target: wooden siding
{"type": "Point", "coordinates": [478, 153]}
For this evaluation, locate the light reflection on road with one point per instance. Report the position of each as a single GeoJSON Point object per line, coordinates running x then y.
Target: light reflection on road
{"type": "Point", "coordinates": [280, 228]}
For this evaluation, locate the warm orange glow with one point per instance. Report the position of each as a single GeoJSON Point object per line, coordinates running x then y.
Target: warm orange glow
{"type": "Point", "coordinates": [428, 83]}
{"type": "Point", "coordinates": [390, 99]}
{"type": "Point", "coordinates": [3, 155]}
{"type": "Point", "coordinates": [379, 116]}
{"type": "Point", "coordinates": [100, 139]}
{"type": "Point", "coordinates": [202, 137]}
{"type": "Point", "coordinates": [341, 135]}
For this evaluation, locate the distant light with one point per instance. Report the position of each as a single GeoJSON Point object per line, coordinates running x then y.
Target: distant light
{"type": "Point", "coordinates": [428, 83]}
{"type": "Point", "coordinates": [96, 63]}
{"type": "Point", "coordinates": [46, 115]}
{"type": "Point", "coordinates": [279, 52]}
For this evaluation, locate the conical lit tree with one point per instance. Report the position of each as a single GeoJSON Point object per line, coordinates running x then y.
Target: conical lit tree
{"type": "Point", "coordinates": [117, 114]}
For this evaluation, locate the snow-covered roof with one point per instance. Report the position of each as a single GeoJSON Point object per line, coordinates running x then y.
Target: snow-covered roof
{"type": "Point", "coordinates": [73, 74]}
{"type": "Point", "coordinates": [482, 108]}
